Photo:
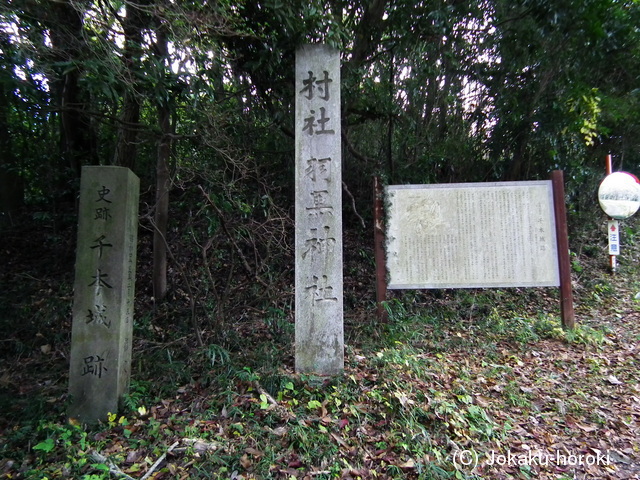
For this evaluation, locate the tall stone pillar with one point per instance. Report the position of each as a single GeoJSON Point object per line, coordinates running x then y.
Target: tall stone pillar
{"type": "Point", "coordinates": [100, 363]}
{"type": "Point", "coordinates": [319, 335]}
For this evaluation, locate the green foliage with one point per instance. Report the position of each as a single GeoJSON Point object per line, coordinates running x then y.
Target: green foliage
{"type": "Point", "coordinates": [587, 109]}
{"type": "Point", "coordinates": [474, 84]}
{"type": "Point", "coordinates": [431, 92]}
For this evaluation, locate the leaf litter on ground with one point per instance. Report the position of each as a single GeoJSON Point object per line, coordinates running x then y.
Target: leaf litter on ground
{"type": "Point", "coordinates": [458, 386]}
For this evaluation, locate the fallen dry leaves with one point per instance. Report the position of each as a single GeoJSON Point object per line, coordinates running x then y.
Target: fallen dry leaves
{"type": "Point", "coordinates": [454, 401]}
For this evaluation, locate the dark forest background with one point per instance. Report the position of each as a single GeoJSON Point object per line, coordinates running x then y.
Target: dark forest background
{"type": "Point", "coordinates": [196, 97]}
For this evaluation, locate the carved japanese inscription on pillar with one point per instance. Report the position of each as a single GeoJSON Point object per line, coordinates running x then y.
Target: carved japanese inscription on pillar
{"type": "Point", "coordinates": [471, 235]}
{"type": "Point", "coordinates": [100, 361]}
{"type": "Point", "coordinates": [318, 232]}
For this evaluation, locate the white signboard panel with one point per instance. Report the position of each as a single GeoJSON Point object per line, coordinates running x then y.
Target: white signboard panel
{"type": "Point", "coordinates": [613, 228]}
{"type": "Point", "coordinates": [471, 235]}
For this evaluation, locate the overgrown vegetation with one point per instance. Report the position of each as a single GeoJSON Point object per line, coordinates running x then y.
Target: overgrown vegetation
{"type": "Point", "coordinates": [454, 380]}
{"type": "Point", "coordinates": [197, 99]}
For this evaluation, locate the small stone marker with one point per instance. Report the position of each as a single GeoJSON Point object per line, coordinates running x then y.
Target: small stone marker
{"type": "Point", "coordinates": [100, 363]}
{"type": "Point", "coordinates": [318, 233]}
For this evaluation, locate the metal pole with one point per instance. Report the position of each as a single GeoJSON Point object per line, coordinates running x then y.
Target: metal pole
{"type": "Point", "coordinates": [612, 258]}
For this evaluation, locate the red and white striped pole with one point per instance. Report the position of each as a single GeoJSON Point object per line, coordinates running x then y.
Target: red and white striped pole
{"type": "Point", "coordinates": [612, 258]}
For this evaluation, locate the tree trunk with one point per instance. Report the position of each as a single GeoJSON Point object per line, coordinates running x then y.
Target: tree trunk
{"type": "Point", "coordinates": [126, 145]}
{"type": "Point", "coordinates": [390, 163]}
{"type": "Point", "coordinates": [163, 182]}
{"type": "Point", "coordinates": [11, 184]}
{"type": "Point", "coordinates": [76, 141]}
{"type": "Point", "coordinates": [519, 161]}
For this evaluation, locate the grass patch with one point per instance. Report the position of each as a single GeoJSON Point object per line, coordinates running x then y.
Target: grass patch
{"type": "Point", "coordinates": [475, 371]}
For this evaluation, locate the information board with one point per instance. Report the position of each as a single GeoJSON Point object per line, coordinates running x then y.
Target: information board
{"type": "Point", "coordinates": [471, 235]}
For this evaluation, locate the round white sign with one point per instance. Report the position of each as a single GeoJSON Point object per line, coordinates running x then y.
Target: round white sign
{"type": "Point", "coordinates": [619, 195]}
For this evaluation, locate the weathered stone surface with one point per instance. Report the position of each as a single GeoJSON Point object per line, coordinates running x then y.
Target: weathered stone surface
{"type": "Point", "coordinates": [100, 363]}
{"type": "Point", "coordinates": [318, 232]}
{"type": "Point", "coordinates": [471, 235]}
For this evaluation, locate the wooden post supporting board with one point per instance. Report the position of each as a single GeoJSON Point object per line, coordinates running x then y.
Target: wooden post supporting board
{"type": "Point", "coordinates": [474, 235]}
{"type": "Point", "coordinates": [566, 294]}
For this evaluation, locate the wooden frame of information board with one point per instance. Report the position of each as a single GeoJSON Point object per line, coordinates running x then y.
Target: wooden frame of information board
{"type": "Point", "coordinates": [552, 245]}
